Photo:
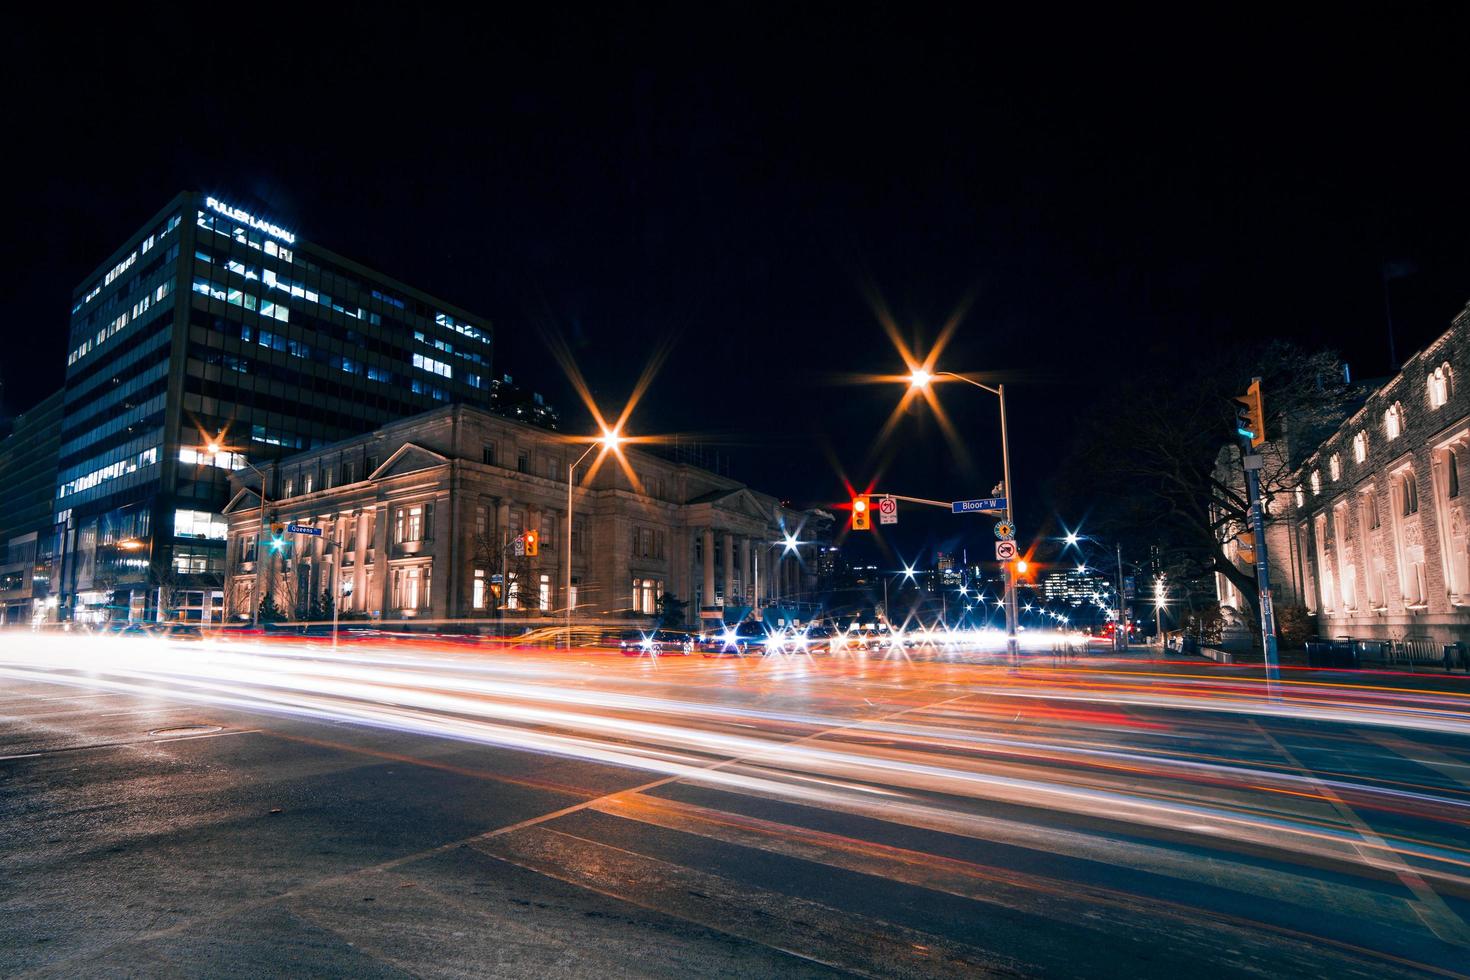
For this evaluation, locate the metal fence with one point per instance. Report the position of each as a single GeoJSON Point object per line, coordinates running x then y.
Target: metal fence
{"type": "Point", "coordinates": [1411, 651]}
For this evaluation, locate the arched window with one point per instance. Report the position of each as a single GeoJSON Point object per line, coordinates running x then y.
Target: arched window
{"type": "Point", "coordinates": [1316, 482]}
{"type": "Point", "coordinates": [1360, 447]}
{"type": "Point", "coordinates": [1393, 421]}
{"type": "Point", "coordinates": [1334, 466]}
{"type": "Point", "coordinates": [1408, 493]}
{"type": "Point", "coordinates": [1439, 385]}
{"type": "Point", "coordinates": [1451, 474]}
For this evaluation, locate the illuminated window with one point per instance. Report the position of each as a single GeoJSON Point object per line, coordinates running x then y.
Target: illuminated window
{"type": "Point", "coordinates": [646, 594]}
{"type": "Point", "coordinates": [1301, 497]}
{"type": "Point", "coordinates": [1373, 571]}
{"type": "Point", "coordinates": [1316, 482]}
{"type": "Point", "coordinates": [478, 599]}
{"type": "Point", "coordinates": [409, 524]}
{"type": "Point", "coordinates": [1334, 466]}
{"type": "Point", "coordinates": [1360, 447]}
{"type": "Point", "coordinates": [1393, 421]}
{"type": "Point", "coordinates": [433, 366]}
{"type": "Point", "coordinates": [544, 595]}
{"type": "Point", "coordinates": [1439, 385]}
{"type": "Point", "coordinates": [411, 587]}
{"type": "Point", "coordinates": [200, 524]}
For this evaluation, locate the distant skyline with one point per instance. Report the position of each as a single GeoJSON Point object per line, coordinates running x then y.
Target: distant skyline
{"type": "Point", "coordinates": [1106, 195]}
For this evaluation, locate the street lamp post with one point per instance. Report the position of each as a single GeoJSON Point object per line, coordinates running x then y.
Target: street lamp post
{"type": "Point", "coordinates": [920, 378]}
{"type": "Point", "coordinates": [610, 441]}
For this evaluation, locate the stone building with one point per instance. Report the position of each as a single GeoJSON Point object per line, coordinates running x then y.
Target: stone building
{"type": "Point", "coordinates": [1378, 529]}
{"type": "Point", "coordinates": [418, 521]}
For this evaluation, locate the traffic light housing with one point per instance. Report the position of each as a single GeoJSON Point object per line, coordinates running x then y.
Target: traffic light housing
{"type": "Point", "coordinates": [1250, 415]}
{"type": "Point", "coordinates": [277, 542]}
{"type": "Point", "coordinates": [861, 513]}
{"type": "Point", "coordinates": [533, 543]}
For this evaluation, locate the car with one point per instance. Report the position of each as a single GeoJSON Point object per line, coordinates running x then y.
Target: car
{"type": "Point", "coordinates": [181, 631]}
{"type": "Point", "coordinates": [818, 638]}
{"type": "Point", "coordinates": [658, 642]}
{"type": "Point", "coordinates": [751, 636]}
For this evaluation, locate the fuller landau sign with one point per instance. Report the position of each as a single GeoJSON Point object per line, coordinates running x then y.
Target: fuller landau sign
{"type": "Point", "coordinates": [245, 217]}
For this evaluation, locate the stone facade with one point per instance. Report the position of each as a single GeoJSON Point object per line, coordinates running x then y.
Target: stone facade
{"type": "Point", "coordinates": [419, 520]}
{"type": "Point", "coordinates": [1379, 530]}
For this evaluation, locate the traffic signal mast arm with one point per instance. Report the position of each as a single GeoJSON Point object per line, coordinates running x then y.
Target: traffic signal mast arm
{"type": "Point", "coordinates": [946, 504]}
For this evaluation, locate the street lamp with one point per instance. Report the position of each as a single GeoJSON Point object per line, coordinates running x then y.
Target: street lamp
{"type": "Point", "coordinates": [921, 378]}
{"type": "Point", "coordinates": [609, 442]}
{"type": "Point", "coordinates": [213, 449]}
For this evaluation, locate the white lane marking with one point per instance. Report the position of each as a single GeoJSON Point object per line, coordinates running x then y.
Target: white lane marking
{"type": "Point", "coordinates": [1426, 756]}
{"type": "Point", "coordinates": [118, 745]}
{"type": "Point", "coordinates": [1438, 917]}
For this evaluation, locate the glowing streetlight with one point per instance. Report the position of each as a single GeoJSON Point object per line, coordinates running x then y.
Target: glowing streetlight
{"type": "Point", "coordinates": [610, 441]}
{"type": "Point", "coordinates": [919, 380]}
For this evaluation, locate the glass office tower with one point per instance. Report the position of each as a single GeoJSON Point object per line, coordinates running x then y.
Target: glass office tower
{"type": "Point", "coordinates": [215, 324]}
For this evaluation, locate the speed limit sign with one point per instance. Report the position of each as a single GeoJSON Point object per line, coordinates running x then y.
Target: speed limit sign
{"type": "Point", "coordinates": [888, 511]}
{"type": "Point", "coordinates": [1005, 550]}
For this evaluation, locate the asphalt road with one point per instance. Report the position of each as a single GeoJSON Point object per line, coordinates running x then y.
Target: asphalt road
{"type": "Point", "coordinates": [405, 810]}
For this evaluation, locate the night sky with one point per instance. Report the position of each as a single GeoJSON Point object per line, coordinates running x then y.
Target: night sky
{"type": "Point", "coordinates": [740, 185]}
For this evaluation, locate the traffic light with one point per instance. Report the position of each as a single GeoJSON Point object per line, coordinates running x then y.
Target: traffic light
{"type": "Point", "coordinates": [1250, 414]}
{"type": "Point", "coordinates": [277, 542]}
{"type": "Point", "coordinates": [533, 544]}
{"type": "Point", "coordinates": [860, 515]}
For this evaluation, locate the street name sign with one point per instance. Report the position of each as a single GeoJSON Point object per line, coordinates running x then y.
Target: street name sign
{"type": "Point", "coordinates": [887, 511]}
{"type": "Point", "coordinates": [1005, 550]}
{"type": "Point", "coordinates": [303, 529]}
{"type": "Point", "coordinates": [975, 506]}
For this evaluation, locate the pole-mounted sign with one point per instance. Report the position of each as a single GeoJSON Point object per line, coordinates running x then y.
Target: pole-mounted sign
{"type": "Point", "coordinates": [977, 506]}
{"type": "Point", "coordinates": [887, 511]}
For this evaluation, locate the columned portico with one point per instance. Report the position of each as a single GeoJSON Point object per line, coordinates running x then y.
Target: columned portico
{"type": "Point", "coordinates": [748, 596]}
{"type": "Point", "coordinates": [707, 596]}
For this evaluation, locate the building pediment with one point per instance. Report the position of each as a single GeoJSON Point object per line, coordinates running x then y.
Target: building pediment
{"type": "Point", "coordinates": [246, 499]}
{"type": "Point", "coordinates": [737, 500]}
{"type": "Point", "coordinates": [408, 458]}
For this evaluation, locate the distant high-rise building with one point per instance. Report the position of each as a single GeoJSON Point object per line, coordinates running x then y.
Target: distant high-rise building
{"type": "Point", "coordinates": [1075, 587]}
{"type": "Point", "coordinates": [216, 324]}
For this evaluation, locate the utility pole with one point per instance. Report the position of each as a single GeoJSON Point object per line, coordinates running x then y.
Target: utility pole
{"type": "Point", "coordinates": [1122, 602]}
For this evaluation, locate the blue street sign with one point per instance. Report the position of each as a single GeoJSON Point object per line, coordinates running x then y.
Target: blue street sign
{"type": "Point", "coordinates": [303, 529]}
{"type": "Point", "coordinates": [972, 506]}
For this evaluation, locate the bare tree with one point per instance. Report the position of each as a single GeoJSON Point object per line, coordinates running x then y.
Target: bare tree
{"type": "Point", "coordinates": [1150, 464]}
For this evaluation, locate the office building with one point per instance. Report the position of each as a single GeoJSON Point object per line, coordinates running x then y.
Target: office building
{"type": "Point", "coordinates": [217, 323]}
{"type": "Point", "coordinates": [28, 537]}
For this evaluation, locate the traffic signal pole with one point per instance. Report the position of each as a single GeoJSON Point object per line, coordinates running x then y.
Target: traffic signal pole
{"type": "Point", "coordinates": [1251, 427]}
{"type": "Point", "coordinates": [1013, 650]}
{"type": "Point", "coordinates": [1263, 571]}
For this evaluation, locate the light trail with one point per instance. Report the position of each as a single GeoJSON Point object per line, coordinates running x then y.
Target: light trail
{"type": "Point", "coordinates": [929, 739]}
